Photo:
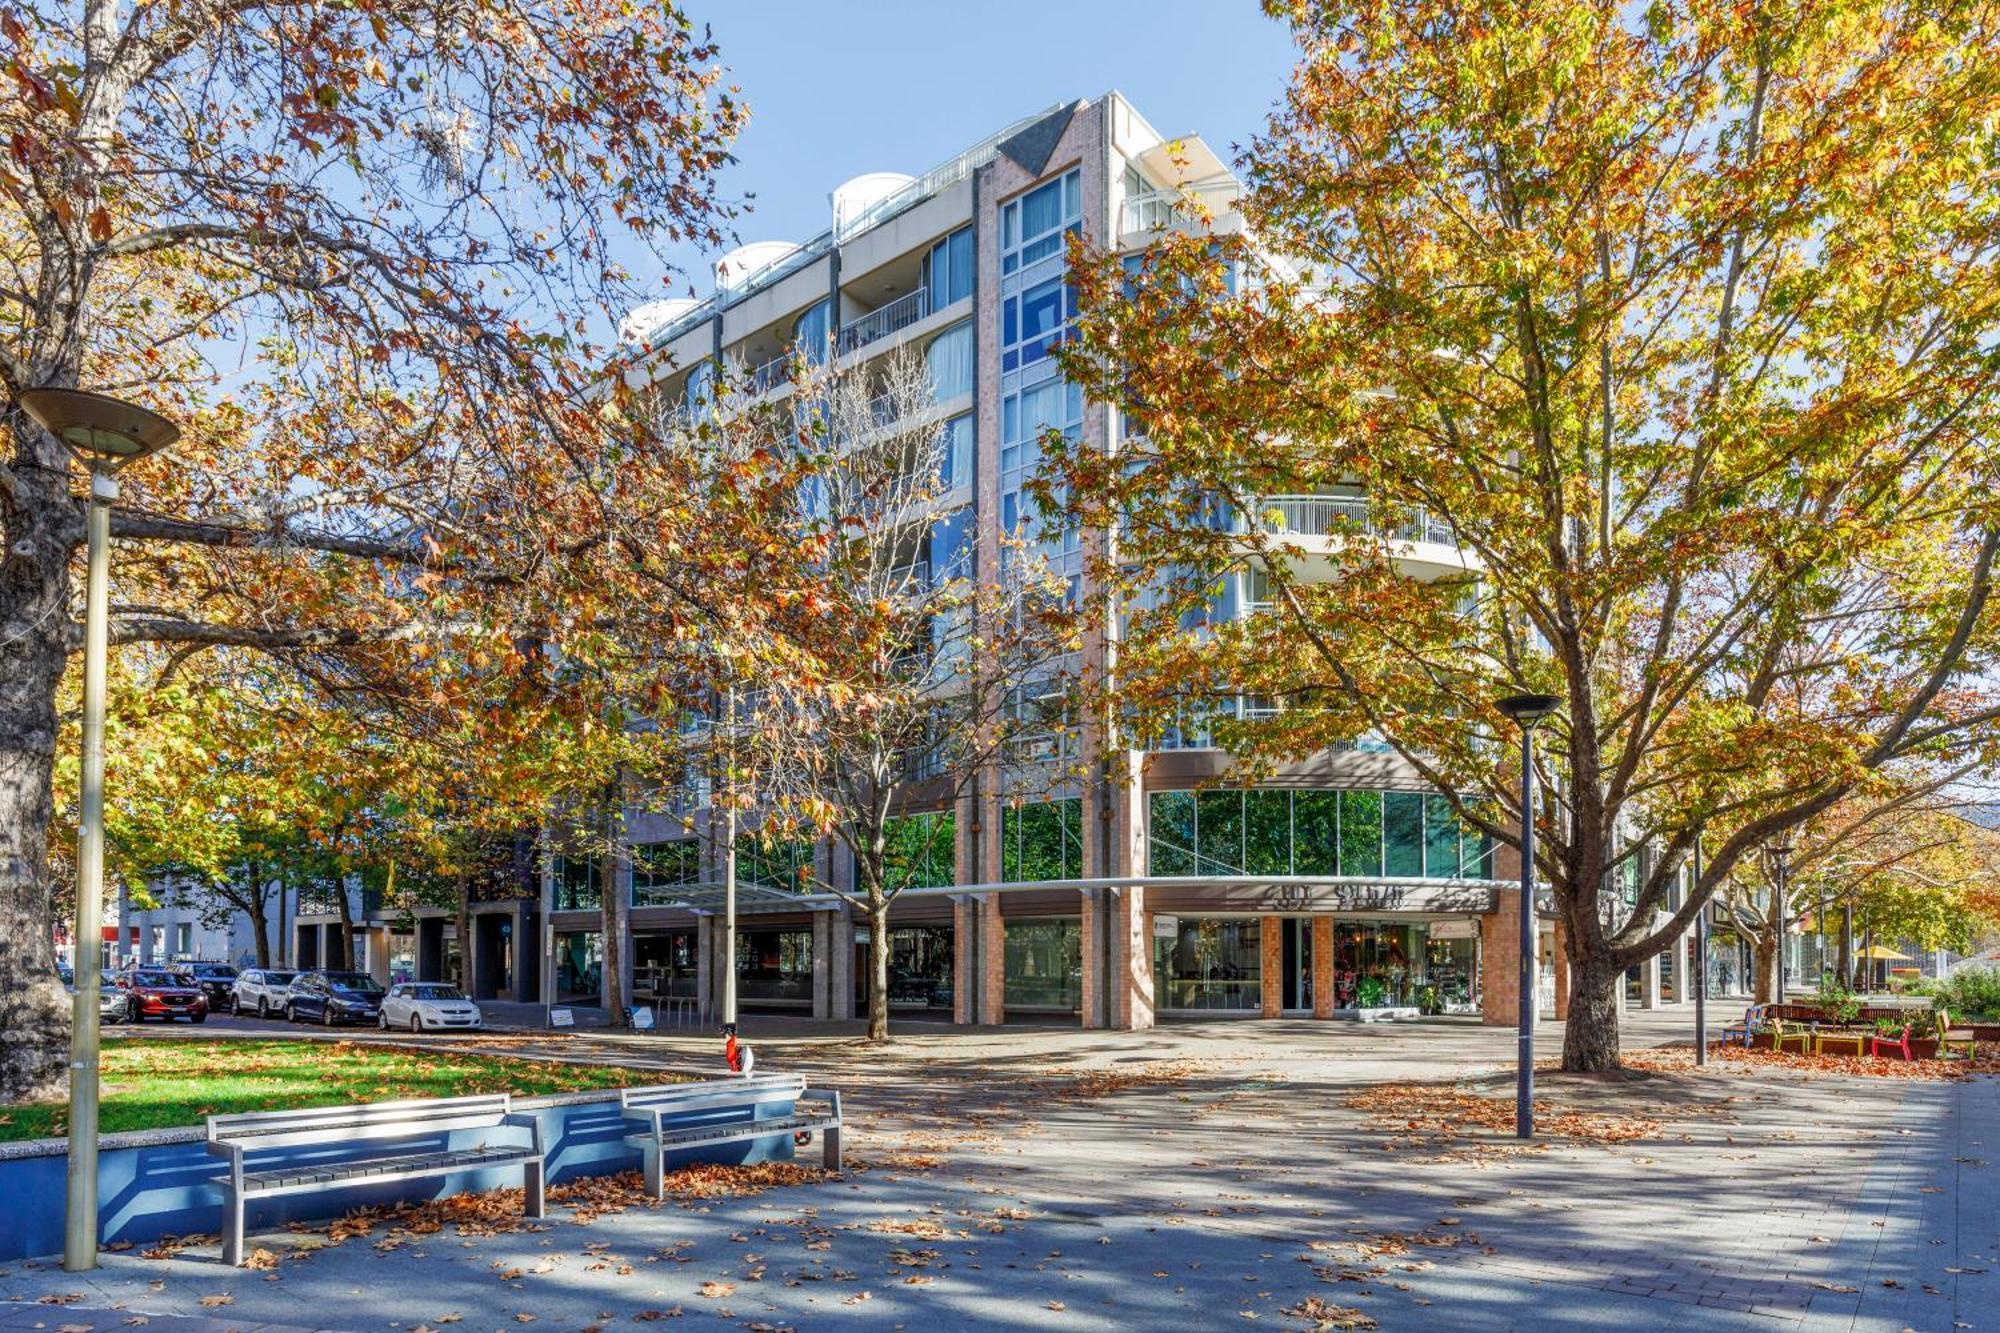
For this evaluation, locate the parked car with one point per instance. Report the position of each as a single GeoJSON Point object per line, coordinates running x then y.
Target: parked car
{"type": "Point", "coordinates": [156, 992]}
{"type": "Point", "coordinates": [217, 982]}
{"type": "Point", "coordinates": [333, 997]}
{"type": "Point", "coordinates": [113, 1004]}
{"type": "Point", "coordinates": [428, 1006]}
{"type": "Point", "coordinates": [261, 991]}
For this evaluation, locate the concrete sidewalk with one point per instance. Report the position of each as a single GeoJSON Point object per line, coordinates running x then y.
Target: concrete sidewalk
{"type": "Point", "coordinates": [1210, 1174]}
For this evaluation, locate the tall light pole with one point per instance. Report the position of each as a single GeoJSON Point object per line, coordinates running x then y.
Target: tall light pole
{"type": "Point", "coordinates": [1781, 856]}
{"type": "Point", "coordinates": [106, 434]}
{"type": "Point", "coordinates": [1526, 710]}
{"type": "Point", "coordinates": [1700, 967]}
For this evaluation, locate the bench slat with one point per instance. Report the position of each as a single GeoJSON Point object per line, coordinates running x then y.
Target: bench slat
{"type": "Point", "coordinates": [444, 1163]}
{"type": "Point", "coordinates": [743, 1129]}
{"type": "Point", "coordinates": [762, 1086]}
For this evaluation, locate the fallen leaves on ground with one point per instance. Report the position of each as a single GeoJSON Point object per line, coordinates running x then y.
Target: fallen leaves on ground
{"type": "Point", "coordinates": [1738, 1059]}
{"type": "Point", "coordinates": [1434, 1110]}
{"type": "Point", "coordinates": [1325, 1314]}
{"type": "Point", "coordinates": [166, 1247]}
{"type": "Point", "coordinates": [221, 1298]}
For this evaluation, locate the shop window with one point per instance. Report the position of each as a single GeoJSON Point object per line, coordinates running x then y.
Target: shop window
{"type": "Point", "coordinates": [1376, 966]}
{"type": "Point", "coordinates": [1210, 963]}
{"type": "Point", "coordinates": [920, 961]}
{"type": "Point", "coordinates": [1042, 840]}
{"type": "Point", "coordinates": [774, 964]}
{"type": "Point", "coordinates": [665, 963]}
{"type": "Point", "coordinates": [1043, 965]}
{"type": "Point", "coordinates": [579, 965]}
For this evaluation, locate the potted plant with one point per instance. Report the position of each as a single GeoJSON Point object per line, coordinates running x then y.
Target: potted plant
{"type": "Point", "coordinates": [1369, 993]}
{"type": "Point", "coordinates": [1429, 1002]}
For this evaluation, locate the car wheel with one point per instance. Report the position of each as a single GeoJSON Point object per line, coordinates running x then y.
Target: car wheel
{"type": "Point", "coordinates": [326, 1016]}
{"type": "Point", "coordinates": [291, 1012]}
{"type": "Point", "coordinates": [382, 1019]}
{"type": "Point", "coordinates": [416, 1023]}
{"type": "Point", "coordinates": [263, 1007]}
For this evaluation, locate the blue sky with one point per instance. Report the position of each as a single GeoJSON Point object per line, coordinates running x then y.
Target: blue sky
{"type": "Point", "coordinates": [839, 87]}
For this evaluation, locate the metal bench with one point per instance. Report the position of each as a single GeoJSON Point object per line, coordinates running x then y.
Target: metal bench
{"type": "Point", "coordinates": [654, 1107]}
{"type": "Point", "coordinates": [252, 1133]}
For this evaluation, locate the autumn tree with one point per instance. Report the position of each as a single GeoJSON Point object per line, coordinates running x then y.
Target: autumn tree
{"type": "Point", "coordinates": [1660, 340]}
{"type": "Point", "coordinates": [356, 250]}
{"type": "Point", "coordinates": [892, 694]}
{"type": "Point", "coordinates": [1905, 866]}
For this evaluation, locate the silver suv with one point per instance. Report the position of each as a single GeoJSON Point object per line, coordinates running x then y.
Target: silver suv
{"type": "Point", "coordinates": [262, 991]}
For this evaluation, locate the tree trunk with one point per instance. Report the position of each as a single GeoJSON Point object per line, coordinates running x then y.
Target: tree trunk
{"type": "Point", "coordinates": [42, 528]}
{"type": "Point", "coordinates": [1590, 1034]}
{"type": "Point", "coordinates": [464, 925]}
{"type": "Point", "coordinates": [1765, 951]}
{"type": "Point", "coordinates": [346, 946]}
{"type": "Point", "coordinates": [260, 917]}
{"type": "Point", "coordinates": [878, 967]}
{"type": "Point", "coordinates": [612, 905]}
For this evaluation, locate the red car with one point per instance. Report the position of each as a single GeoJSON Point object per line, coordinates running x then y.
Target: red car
{"type": "Point", "coordinates": [158, 993]}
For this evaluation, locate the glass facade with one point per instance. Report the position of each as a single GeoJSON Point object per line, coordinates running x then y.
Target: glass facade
{"type": "Point", "coordinates": [1378, 966]}
{"type": "Point", "coordinates": [660, 869]}
{"type": "Point", "coordinates": [774, 964]}
{"type": "Point", "coordinates": [920, 959]}
{"type": "Point", "coordinates": [1044, 964]}
{"type": "Point", "coordinates": [1211, 963]}
{"type": "Point", "coordinates": [1032, 227]}
{"type": "Point", "coordinates": [665, 963]}
{"type": "Point", "coordinates": [948, 268]}
{"type": "Point", "coordinates": [580, 965]}
{"type": "Point", "coordinates": [576, 883]}
{"type": "Point", "coordinates": [774, 863]}
{"type": "Point", "coordinates": [949, 359]}
{"type": "Point", "coordinates": [1359, 833]}
{"type": "Point", "coordinates": [1043, 840]}
{"type": "Point", "coordinates": [922, 850]}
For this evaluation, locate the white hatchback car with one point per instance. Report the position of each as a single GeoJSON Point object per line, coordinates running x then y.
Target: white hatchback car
{"type": "Point", "coordinates": [429, 1006]}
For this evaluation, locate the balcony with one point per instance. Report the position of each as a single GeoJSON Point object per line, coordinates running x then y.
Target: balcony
{"type": "Point", "coordinates": [1160, 210]}
{"type": "Point", "coordinates": [886, 320]}
{"type": "Point", "coordinates": [1422, 543]}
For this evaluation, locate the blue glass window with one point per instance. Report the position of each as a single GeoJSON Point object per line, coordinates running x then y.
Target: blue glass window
{"type": "Point", "coordinates": [951, 545]}
{"type": "Point", "coordinates": [1031, 323]}
{"type": "Point", "coordinates": [948, 269]}
{"type": "Point", "coordinates": [955, 460]}
{"type": "Point", "coordinates": [1032, 227]}
{"type": "Point", "coordinates": [813, 329]}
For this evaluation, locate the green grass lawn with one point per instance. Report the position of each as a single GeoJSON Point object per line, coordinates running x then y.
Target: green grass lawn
{"type": "Point", "coordinates": [152, 1084]}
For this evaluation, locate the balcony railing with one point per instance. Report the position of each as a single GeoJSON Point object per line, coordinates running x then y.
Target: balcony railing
{"type": "Point", "coordinates": [1162, 209]}
{"type": "Point", "coordinates": [1337, 515]}
{"type": "Point", "coordinates": [776, 371]}
{"type": "Point", "coordinates": [879, 323]}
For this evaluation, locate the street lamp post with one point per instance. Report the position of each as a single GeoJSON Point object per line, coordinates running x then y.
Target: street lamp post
{"type": "Point", "coordinates": [106, 434]}
{"type": "Point", "coordinates": [1781, 855]}
{"type": "Point", "coordinates": [1700, 967]}
{"type": "Point", "coordinates": [1526, 710]}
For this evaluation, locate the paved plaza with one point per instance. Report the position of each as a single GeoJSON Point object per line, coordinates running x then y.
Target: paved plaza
{"type": "Point", "coordinates": [1203, 1176]}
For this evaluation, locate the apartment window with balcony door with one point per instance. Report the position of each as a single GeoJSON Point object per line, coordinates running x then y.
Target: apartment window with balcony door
{"type": "Point", "coordinates": [955, 452]}
{"type": "Point", "coordinates": [812, 331]}
{"type": "Point", "coordinates": [949, 360]}
{"type": "Point", "coordinates": [948, 269]}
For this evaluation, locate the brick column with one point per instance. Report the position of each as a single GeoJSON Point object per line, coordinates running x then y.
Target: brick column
{"type": "Point", "coordinates": [1500, 961]}
{"type": "Point", "coordinates": [1091, 912]}
{"type": "Point", "coordinates": [992, 962]}
{"type": "Point", "coordinates": [1131, 960]}
{"type": "Point", "coordinates": [1322, 967]}
{"type": "Point", "coordinates": [964, 944]}
{"type": "Point", "coordinates": [1271, 965]}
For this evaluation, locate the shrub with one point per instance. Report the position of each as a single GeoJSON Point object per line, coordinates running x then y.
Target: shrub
{"type": "Point", "coordinates": [1836, 1002]}
{"type": "Point", "coordinates": [1972, 992]}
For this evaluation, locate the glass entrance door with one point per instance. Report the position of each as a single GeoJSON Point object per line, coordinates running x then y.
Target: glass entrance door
{"type": "Point", "coordinates": [1298, 974]}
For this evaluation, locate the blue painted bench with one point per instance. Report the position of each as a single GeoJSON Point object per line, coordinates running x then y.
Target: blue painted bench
{"type": "Point", "coordinates": [726, 1111]}
{"type": "Point", "coordinates": [385, 1127]}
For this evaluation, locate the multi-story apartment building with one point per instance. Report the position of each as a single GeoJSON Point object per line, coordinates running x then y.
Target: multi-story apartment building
{"type": "Point", "coordinates": [1140, 888]}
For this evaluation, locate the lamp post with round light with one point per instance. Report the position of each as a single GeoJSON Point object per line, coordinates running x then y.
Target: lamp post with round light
{"type": "Point", "coordinates": [106, 434]}
{"type": "Point", "coordinates": [1527, 710]}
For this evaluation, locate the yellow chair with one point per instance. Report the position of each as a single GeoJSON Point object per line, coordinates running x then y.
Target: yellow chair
{"type": "Point", "coordinates": [1947, 1039]}
{"type": "Point", "coordinates": [1782, 1032]}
